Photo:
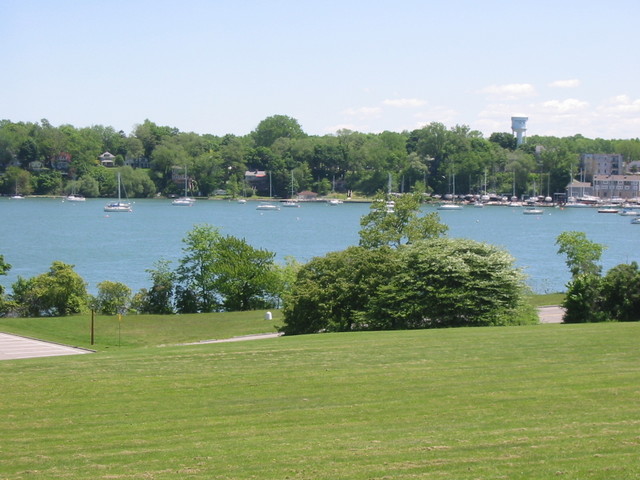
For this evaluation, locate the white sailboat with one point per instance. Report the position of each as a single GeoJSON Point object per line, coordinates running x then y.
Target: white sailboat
{"type": "Point", "coordinates": [17, 195]}
{"type": "Point", "coordinates": [118, 206]}
{"type": "Point", "coordinates": [291, 203]}
{"type": "Point", "coordinates": [73, 196]}
{"type": "Point", "coordinates": [453, 205]}
{"type": "Point", "coordinates": [184, 201]}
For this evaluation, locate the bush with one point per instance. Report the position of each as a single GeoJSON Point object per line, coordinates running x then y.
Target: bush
{"type": "Point", "coordinates": [436, 283]}
{"type": "Point", "coordinates": [614, 297]}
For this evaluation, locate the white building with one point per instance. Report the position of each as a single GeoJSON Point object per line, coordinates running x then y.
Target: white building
{"type": "Point", "coordinates": [616, 186]}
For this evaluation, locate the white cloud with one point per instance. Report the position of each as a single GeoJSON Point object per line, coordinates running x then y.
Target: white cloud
{"type": "Point", "coordinates": [621, 104]}
{"type": "Point", "coordinates": [572, 83]}
{"type": "Point", "coordinates": [565, 106]}
{"type": "Point", "coordinates": [440, 114]}
{"type": "Point", "coordinates": [404, 102]}
{"type": "Point", "coordinates": [511, 91]}
{"type": "Point", "coordinates": [363, 111]}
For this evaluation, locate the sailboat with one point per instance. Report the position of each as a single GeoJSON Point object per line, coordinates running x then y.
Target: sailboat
{"type": "Point", "coordinates": [453, 205]}
{"type": "Point", "coordinates": [118, 206]}
{"type": "Point", "coordinates": [73, 196]}
{"type": "Point", "coordinates": [17, 196]}
{"type": "Point", "coordinates": [184, 201]}
{"type": "Point", "coordinates": [291, 203]}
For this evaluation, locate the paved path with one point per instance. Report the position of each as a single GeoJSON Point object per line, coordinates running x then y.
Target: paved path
{"type": "Point", "coordinates": [550, 314]}
{"type": "Point", "coordinates": [257, 336]}
{"type": "Point", "coordinates": [14, 347]}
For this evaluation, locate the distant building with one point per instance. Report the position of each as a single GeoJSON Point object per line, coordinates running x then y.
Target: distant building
{"type": "Point", "coordinates": [592, 164]}
{"type": "Point", "coordinates": [61, 161]}
{"type": "Point", "coordinates": [107, 160]}
{"type": "Point", "coordinates": [140, 162]}
{"type": "Point", "coordinates": [36, 166]}
{"type": "Point", "coordinates": [616, 186]}
{"type": "Point", "coordinates": [307, 195]}
{"type": "Point", "coordinates": [256, 179]}
{"type": "Point", "coordinates": [578, 189]}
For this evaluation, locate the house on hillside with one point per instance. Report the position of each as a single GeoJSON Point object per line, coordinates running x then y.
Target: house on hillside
{"type": "Point", "coordinates": [140, 162]}
{"type": "Point", "coordinates": [61, 161]}
{"type": "Point", "coordinates": [257, 179]}
{"type": "Point", "coordinates": [107, 160]}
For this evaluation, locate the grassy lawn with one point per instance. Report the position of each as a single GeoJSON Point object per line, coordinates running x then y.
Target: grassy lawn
{"type": "Point", "coordinates": [545, 300]}
{"type": "Point", "coordinates": [141, 330]}
{"type": "Point", "coordinates": [544, 401]}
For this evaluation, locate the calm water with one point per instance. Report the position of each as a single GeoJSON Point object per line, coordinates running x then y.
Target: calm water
{"type": "Point", "coordinates": [121, 246]}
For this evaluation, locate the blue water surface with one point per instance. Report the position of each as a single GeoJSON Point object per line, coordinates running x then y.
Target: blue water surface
{"type": "Point", "coordinates": [120, 247]}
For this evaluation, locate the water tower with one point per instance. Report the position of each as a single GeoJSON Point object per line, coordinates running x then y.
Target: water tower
{"type": "Point", "coordinates": [519, 127]}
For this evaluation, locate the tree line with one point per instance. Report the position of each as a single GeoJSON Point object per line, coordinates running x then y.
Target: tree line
{"type": "Point", "coordinates": [421, 160]}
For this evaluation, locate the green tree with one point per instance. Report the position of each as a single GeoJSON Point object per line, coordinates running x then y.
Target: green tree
{"type": "Point", "coordinates": [48, 183]}
{"type": "Point", "coordinates": [582, 254]}
{"type": "Point", "coordinates": [274, 127]}
{"type": "Point", "coordinates": [16, 180]}
{"type": "Point", "coordinates": [246, 276]}
{"type": "Point", "coordinates": [582, 300]}
{"type": "Point", "coordinates": [112, 298]}
{"type": "Point", "coordinates": [620, 293]}
{"type": "Point", "coordinates": [59, 292]}
{"type": "Point", "coordinates": [88, 186]}
{"type": "Point", "coordinates": [159, 298]}
{"type": "Point", "coordinates": [196, 277]}
{"type": "Point", "coordinates": [451, 283]}
{"type": "Point", "coordinates": [332, 293]}
{"type": "Point", "coordinates": [506, 140]}
{"type": "Point", "coordinates": [4, 269]}
{"type": "Point", "coordinates": [386, 225]}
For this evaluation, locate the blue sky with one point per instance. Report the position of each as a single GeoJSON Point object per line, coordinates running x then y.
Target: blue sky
{"type": "Point", "coordinates": [223, 66]}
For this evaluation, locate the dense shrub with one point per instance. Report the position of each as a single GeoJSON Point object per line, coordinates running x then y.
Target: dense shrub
{"type": "Point", "coordinates": [436, 283]}
{"type": "Point", "coordinates": [614, 297]}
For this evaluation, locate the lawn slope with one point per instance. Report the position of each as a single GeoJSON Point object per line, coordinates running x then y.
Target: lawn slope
{"type": "Point", "coordinates": [544, 401]}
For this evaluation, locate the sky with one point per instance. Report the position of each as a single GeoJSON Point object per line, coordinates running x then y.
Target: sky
{"type": "Point", "coordinates": [221, 67]}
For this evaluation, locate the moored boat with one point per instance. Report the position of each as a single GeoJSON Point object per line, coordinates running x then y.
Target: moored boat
{"type": "Point", "coordinates": [532, 211]}
{"type": "Point", "coordinates": [184, 201]}
{"type": "Point", "coordinates": [72, 197]}
{"type": "Point", "coordinates": [450, 206]}
{"type": "Point", "coordinates": [267, 206]}
{"type": "Point", "coordinates": [118, 206]}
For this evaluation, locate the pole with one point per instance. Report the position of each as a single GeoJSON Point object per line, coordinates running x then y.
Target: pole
{"type": "Point", "coordinates": [92, 325]}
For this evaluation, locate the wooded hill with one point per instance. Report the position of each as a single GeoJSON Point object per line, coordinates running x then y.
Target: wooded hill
{"type": "Point", "coordinates": [39, 158]}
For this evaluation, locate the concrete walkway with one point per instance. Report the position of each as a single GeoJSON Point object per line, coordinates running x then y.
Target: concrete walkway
{"type": "Point", "coordinates": [15, 347]}
{"type": "Point", "coordinates": [550, 314]}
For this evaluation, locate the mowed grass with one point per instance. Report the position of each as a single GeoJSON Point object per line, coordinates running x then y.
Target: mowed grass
{"type": "Point", "coordinates": [534, 402]}
{"type": "Point", "coordinates": [142, 330]}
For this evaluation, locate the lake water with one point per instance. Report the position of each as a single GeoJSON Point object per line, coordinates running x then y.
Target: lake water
{"type": "Point", "coordinates": [120, 246]}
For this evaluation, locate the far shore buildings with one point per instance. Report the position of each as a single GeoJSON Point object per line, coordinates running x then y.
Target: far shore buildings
{"type": "Point", "coordinates": [603, 176]}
